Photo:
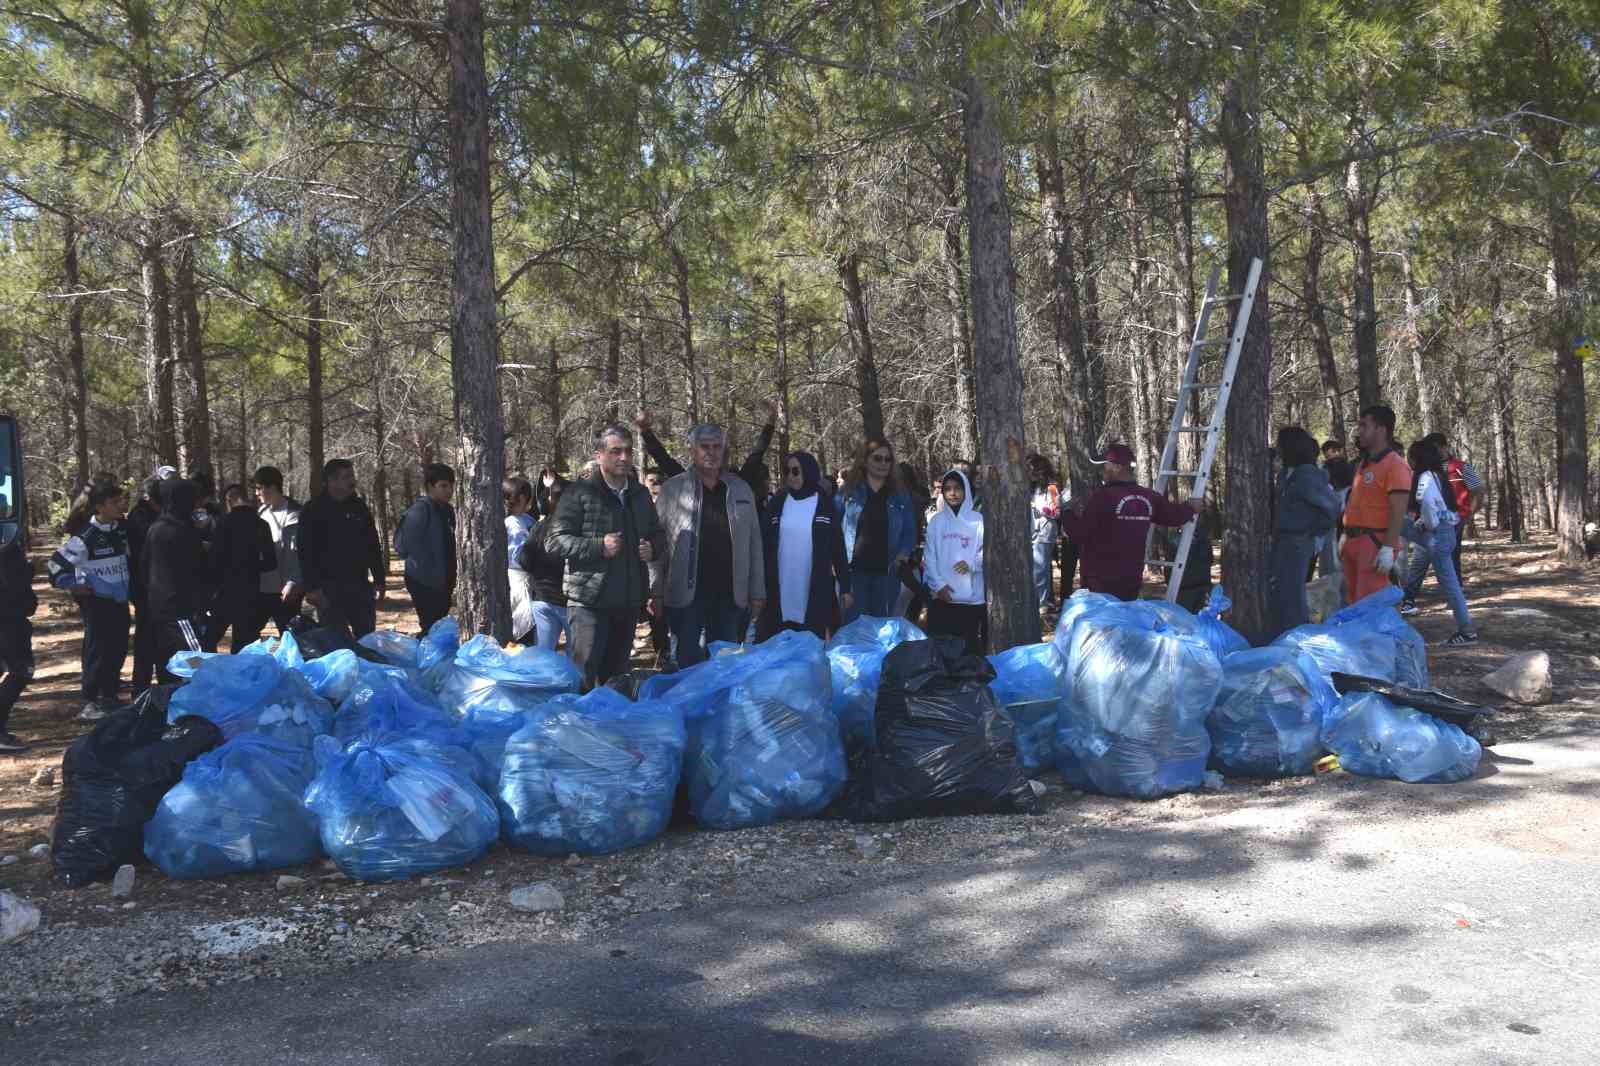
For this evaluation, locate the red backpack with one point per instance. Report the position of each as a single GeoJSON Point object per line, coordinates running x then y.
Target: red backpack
{"type": "Point", "coordinates": [1458, 488]}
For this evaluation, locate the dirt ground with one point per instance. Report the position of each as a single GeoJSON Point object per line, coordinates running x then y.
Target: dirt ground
{"type": "Point", "coordinates": [92, 949]}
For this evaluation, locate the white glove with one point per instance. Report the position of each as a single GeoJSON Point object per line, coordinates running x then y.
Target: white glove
{"type": "Point", "coordinates": [1385, 561]}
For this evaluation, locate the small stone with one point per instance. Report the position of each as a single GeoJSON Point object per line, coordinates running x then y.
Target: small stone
{"type": "Point", "coordinates": [18, 917]}
{"type": "Point", "coordinates": [1214, 782]}
{"type": "Point", "coordinates": [290, 883]}
{"type": "Point", "coordinates": [1039, 788]}
{"type": "Point", "coordinates": [129, 906]}
{"type": "Point", "coordinates": [867, 846]}
{"type": "Point", "coordinates": [537, 897]}
{"type": "Point", "coordinates": [45, 778]}
{"type": "Point", "coordinates": [1524, 678]}
{"type": "Point", "coordinates": [573, 860]}
{"type": "Point", "coordinates": [122, 883]}
{"type": "Point", "coordinates": [741, 860]}
{"type": "Point", "coordinates": [9, 860]}
{"type": "Point", "coordinates": [40, 851]}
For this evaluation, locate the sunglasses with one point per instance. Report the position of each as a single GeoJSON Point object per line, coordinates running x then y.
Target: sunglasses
{"type": "Point", "coordinates": [881, 458]}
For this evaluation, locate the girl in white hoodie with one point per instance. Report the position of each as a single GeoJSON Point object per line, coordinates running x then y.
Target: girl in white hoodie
{"type": "Point", "coordinates": [952, 566]}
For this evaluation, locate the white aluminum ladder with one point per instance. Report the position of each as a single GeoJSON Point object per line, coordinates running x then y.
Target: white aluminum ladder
{"type": "Point", "coordinates": [1168, 469]}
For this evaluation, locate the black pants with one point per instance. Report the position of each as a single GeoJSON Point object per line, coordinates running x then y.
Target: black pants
{"type": "Point", "coordinates": [105, 647]}
{"type": "Point", "coordinates": [239, 611]}
{"type": "Point", "coordinates": [1069, 565]}
{"type": "Point", "coordinates": [16, 663]}
{"type": "Point", "coordinates": [431, 603]}
{"type": "Point", "coordinates": [170, 638]}
{"type": "Point", "coordinates": [348, 604]}
{"type": "Point", "coordinates": [144, 651]}
{"type": "Point", "coordinates": [601, 641]}
{"type": "Point", "coordinates": [969, 621]}
{"type": "Point", "coordinates": [660, 635]}
{"type": "Point", "coordinates": [271, 607]}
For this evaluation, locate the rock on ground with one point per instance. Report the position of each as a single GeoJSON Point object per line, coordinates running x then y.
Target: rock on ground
{"type": "Point", "coordinates": [1524, 678]}
{"type": "Point", "coordinates": [535, 898]}
{"type": "Point", "coordinates": [122, 883]}
{"type": "Point", "coordinates": [18, 917]}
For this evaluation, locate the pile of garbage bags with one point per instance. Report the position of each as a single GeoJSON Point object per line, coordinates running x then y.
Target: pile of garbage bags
{"type": "Point", "coordinates": [855, 662]}
{"type": "Point", "coordinates": [1029, 682]}
{"type": "Point", "coordinates": [1267, 721]}
{"type": "Point", "coordinates": [254, 693]}
{"type": "Point", "coordinates": [1369, 638]}
{"type": "Point", "coordinates": [944, 745]}
{"type": "Point", "coordinates": [485, 682]}
{"type": "Point", "coordinates": [1374, 737]}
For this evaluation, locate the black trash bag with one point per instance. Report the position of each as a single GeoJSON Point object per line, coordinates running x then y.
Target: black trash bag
{"type": "Point", "coordinates": [316, 641]}
{"type": "Point", "coordinates": [112, 781]}
{"type": "Point", "coordinates": [945, 746]}
{"type": "Point", "coordinates": [628, 684]}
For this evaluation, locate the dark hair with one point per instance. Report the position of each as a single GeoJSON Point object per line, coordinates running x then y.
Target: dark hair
{"type": "Point", "coordinates": [101, 487]}
{"type": "Point", "coordinates": [1438, 440]}
{"type": "Point", "coordinates": [150, 489]}
{"type": "Point", "coordinates": [235, 490]}
{"type": "Point", "coordinates": [515, 486]}
{"type": "Point", "coordinates": [1425, 457]}
{"type": "Point", "coordinates": [615, 429]}
{"type": "Point", "coordinates": [1381, 416]}
{"type": "Point", "coordinates": [1330, 444]}
{"type": "Point", "coordinates": [336, 466]}
{"type": "Point", "coordinates": [1296, 447]}
{"type": "Point", "coordinates": [858, 471]}
{"type": "Point", "coordinates": [1037, 460]}
{"type": "Point", "coordinates": [434, 473]}
{"type": "Point", "coordinates": [269, 477]}
{"type": "Point", "coordinates": [205, 486]}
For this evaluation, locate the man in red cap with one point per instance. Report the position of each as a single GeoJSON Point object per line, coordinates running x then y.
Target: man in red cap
{"type": "Point", "coordinates": [1112, 526]}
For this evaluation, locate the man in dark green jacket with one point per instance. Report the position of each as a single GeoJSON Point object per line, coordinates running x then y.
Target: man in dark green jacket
{"type": "Point", "coordinates": [605, 528]}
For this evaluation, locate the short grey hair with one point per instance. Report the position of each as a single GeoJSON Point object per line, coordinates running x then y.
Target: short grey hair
{"type": "Point", "coordinates": [615, 429]}
{"type": "Point", "coordinates": [706, 432]}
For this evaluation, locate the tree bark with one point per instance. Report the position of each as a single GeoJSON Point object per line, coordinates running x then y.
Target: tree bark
{"type": "Point", "coordinates": [1572, 422]}
{"type": "Point", "coordinates": [1066, 316]}
{"type": "Point", "coordinates": [1413, 338]}
{"type": "Point", "coordinates": [1141, 349]}
{"type": "Point", "coordinates": [1358, 199]}
{"type": "Point", "coordinates": [75, 353]}
{"type": "Point", "coordinates": [780, 319]}
{"type": "Point", "coordinates": [197, 404]}
{"type": "Point", "coordinates": [158, 351]}
{"type": "Point", "coordinates": [959, 335]}
{"type": "Point", "coordinates": [483, 594]}
{"type": "Point", "coordinates": [680, 269]}
{"type": "Point", "coordinates": [859, 331]}
{"type": "Point", "coordinates": [1249, 474]}
{"type": "Point", "coordinates": [613, 377]}
{"type": "Point", "coordinates": [315, 418]}
{"type": "Point", "coordinates": [552, 400]}
{"type": "Point", "coordinates": [380, 437]}
{"type": "Point", "coordinates": [1321, 336]}
{"type": "Point", "coordinates": [1503, 421]}
{"type": "Point", "coordinates": [1183, 306]}
{"type": "Point", "coordinates": [1003, 474]}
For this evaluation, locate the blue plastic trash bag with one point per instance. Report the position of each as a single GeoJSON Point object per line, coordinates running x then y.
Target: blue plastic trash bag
{"type": "Point", "coordinates": [385, 813]}
{"type": "Point", "coordinates": [855, 670]}
{"type": "Point", "coordinates": [1133, 723]}
{"type": "Point", "coordinates": [1028, 683]}
{"type": "Point", "coordinates": [887, 633]}
{"type": "Point", "coordinates": [1350, 649]}
{"type": "Point", "coordinates": [657, 687]}
{"type": "Point", "coordinates": [1223, 638]}
{"type": "Point", "coordinates": [285, 649]}
{"type": "Point", "coordinates": [237, 809]}
{"type": "Point", "coordinates": [1267, 721]}
{"type": "Point", "coordinates": [335, 675]}
{"type": "Point", "coordinates": [1378, 612]}
{"type": "Point", "coordinates": [1078, 604]}
{"type": "Point", "coordinates": [487, 681]}
{"type": "Point", "coordinates": [293, 712]}
{"type": "Point", "coordinates": [388, 705]}
{"type": "Point", "coordinates": [763, 741]}
{"type": "Point", "coordinates": [437, 651]}
{"type": "Point", "coordinates": [595, 777]}
{"type": "Point", "coordinates": [227, 690]}
{"type": "Point", "coordinates": [396, 648]}
{"type": "Point", "coordinates": [1376, 738]}
{"type": "Point", "coordinates": [184, 663]}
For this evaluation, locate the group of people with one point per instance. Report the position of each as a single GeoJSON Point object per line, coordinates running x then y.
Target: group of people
{"type": "Point", "coordinates": [701, 551]}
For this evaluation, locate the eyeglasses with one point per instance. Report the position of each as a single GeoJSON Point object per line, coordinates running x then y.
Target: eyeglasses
{"type": "Point", "coordinates": [881, 458]}
{"type": "Point", "coordinates": [794, 471]}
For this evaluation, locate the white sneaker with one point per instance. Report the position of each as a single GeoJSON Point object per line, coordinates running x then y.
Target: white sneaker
{"type": "Point", "coordinates": [91, 713]}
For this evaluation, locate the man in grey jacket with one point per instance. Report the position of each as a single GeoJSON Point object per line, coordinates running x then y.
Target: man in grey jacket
{"type": "Point", "coordinates": [716, 572]}
{"type": "Point", "coordinates": [281, 589]}
{"type": "Point", "coordinates": [426, 540]}
{"type": "Point", "coordinates": [606, 530]}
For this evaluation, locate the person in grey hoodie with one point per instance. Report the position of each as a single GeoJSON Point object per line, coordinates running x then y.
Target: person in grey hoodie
{"type": "Point", "coordinates": [1307, 509]}
{"type": "Point", "coordinates": [426, 540]}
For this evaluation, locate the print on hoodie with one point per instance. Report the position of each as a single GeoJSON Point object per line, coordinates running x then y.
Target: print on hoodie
{"type": "Point", "coordinates": [95, 561]}
{"type": "Point", "coordinates": [955, 535]}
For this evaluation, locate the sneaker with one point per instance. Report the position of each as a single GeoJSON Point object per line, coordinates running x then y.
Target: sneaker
{"type": "Point", "coordinates": [92, 712]}
{"type": "Point", "coordinates": [1408, 607]}
{"type": "Point", "coordinates": [11, 744]}
{"type": "Point", "coordinates": [1462, 640]}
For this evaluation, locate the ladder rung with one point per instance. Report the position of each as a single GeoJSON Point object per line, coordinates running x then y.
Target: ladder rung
{"type": "Point", "coordinates": [1192, 429]}
{"type": "Point", "coordinates": [1178, 473]}
{"type": "Point", "coordinates": [1159, 562]}
{"type": "Point", "coordinates": [1200, 385]}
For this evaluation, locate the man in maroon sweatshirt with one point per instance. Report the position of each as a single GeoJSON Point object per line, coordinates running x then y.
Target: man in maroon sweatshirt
{"type": "Point", "coordinates": [1111, 527]}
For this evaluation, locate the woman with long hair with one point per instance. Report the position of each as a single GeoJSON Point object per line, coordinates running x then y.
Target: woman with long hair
{"type": "Point", "coordinates": [1307, 509]}
{"type": "Point", "coordinates": [804, 553]}
{"type": "Point", "coordinates": [93, 566]}
{"type": "Point", "coordinates": [518, 495]}
{"type": "Point", "coordinates": [880, 532]}
{"type": "Point", "coordinates": [1434, 531]}
{"type": "Point", "coordinates": [1045, 510]}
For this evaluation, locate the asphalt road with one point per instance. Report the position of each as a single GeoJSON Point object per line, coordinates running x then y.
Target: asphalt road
{"type": "Point", "coordinates": [1390, 924]}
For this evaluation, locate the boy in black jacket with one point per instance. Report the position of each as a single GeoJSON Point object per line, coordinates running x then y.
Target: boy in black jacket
{"type": "Point", "coordinates": [339, 548]}
{"type": "Point", "coordinates": [241, 551]}
{"type": "Point", "coordinates": [17, 605]}
{"type": "Point", "coordinates": [176, 579]}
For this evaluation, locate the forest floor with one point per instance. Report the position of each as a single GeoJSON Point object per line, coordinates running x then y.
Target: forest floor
{"type": "Point", "coordinates": [92, 950]}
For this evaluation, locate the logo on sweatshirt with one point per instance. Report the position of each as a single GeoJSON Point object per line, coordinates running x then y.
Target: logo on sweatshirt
{"type": "Point", "coordinates": [1137, 509]}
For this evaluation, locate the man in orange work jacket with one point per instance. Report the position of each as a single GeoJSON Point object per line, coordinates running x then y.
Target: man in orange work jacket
{"type": "Point", "coordinates": [1376, 508]}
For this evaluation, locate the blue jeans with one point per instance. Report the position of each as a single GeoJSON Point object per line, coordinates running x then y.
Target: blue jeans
{"type": "Point", "coordinates": [549, 622]}
{"type": "Point", "coordinates": [1437, 550]}
{"type": "Point", "coordinates": [875, 595]}
{"type": "Point", "coordinates": [696, 626]}
{"type": "Point", "coordinates": [1291, 557]}
{"type": "Point", "coordinates": [1042, 551]}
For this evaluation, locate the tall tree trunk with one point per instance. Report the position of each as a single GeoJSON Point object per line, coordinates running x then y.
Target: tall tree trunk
{"type": "Point", "coordinates": [1141, 350]}
{"type": "Point", "coordinates": [244, 430]}
{"type": "Point", "coordinates": [1413, 338]}
{"type": "Point", "coordinates": [552, 400]}
{"type": "Point", "coordinates": [613, 373]}
{"type": "Point", "coordinates": [1249, 475]}
{"type": "Point", "coordinates": [483, 593]}
{"type": "Point", "coordinates": [1321, 336]}
{"type": "Point", "coordinates": [680, 270]}
{"type": "Point", "coordinates": [780, 320]}
{"type": "Point", "coordinates": [1358, 199]}
{"type": "Point", "coordinates": [1565, 323]}
{"type": "Point", "coordinates": [380, 444]}
{"type": "Point", "coordinates": [1183, 306]}
{"type": "Point", "coordinates": [197, 405]}
{"type": "Point", "coordinates": [1502, 415]}
{"type": "Point", "coordinates": [75, 353]}
{"type": "Point", "coordinates": [859, 331]}
{"type": "Point", "coordinates": [315, 418]}
{"type": "Point", "coordinates": [1003, 474]}
{"type": "Point", "coordinates": [641, 395]}
{"type": "Point", "coordinates": [158, 352]}
{"type": "Point", "coordinates": [959, 334]}
{"type": "Point", "coordinates": [1066, 315]}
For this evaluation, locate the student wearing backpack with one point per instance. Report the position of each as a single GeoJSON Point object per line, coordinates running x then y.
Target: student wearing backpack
{"type": "Point", "coordinates": [426, 540]}
{"type": "Point", "coordinates": [1462, 491]}
{"type": "Point", "coordinates": [93, 566]}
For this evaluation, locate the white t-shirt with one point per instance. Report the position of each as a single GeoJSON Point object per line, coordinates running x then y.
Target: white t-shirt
{"type": "Point", "coordinates": [518, 526]}
{"type": "Point", "coordinates": [1430, 503]}
{"type": "Point", "coordinates": [794, 558]}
